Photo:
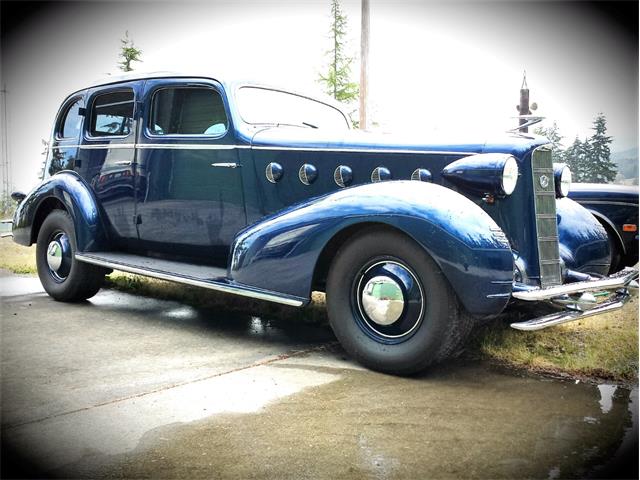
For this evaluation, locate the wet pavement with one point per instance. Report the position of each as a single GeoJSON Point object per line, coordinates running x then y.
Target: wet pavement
{"type": "Point", "coordinates": [127, 387]}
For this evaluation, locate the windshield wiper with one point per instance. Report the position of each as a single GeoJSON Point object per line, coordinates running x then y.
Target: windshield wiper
{"type": "Point", "coordinates": [309, 125]}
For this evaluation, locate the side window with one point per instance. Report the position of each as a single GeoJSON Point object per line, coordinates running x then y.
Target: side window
{"type": "Point", "coordinates": [72, 122]}
{"type": "Point", "coordinates": [187, 111]}
{"type": "Point", "coordinates": [112, 114]}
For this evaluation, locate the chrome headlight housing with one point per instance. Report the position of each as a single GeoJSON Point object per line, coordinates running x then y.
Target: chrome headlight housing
{"type": "Point", "coordinates": [562, 178]}
{"type": "Point", "coordinates": [484, 173]}
{"type": "Point", "coordinates": [509, 175]}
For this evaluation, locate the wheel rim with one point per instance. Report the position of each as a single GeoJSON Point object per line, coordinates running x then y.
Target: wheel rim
{"type": "Point", "coordinates": [389, 301]}
{"type": "Point", "coordinates": [58, 256]}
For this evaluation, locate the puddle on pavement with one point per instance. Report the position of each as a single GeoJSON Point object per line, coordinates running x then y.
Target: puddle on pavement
{"type": "Point", "coordinates": [458, 421]}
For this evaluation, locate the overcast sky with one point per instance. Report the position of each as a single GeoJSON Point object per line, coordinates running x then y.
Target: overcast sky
{"type": "Point", "coordinates": [434, 66]}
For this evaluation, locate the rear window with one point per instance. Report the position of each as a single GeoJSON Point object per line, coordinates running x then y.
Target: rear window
{"type": "Point", "coordinates": [72, 122]}
{"type": "Point", "coordinates": [112, 114]}
{"type": "Point", "coordinates": [187, 111]}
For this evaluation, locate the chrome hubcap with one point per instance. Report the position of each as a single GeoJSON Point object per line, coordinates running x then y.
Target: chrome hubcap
{"type": "Point", "coordinates": [390, 301]}
{"type": "Point", "coordinates": [54, 255]}
{"type": "Point", "coordinates": [59, 256]}
{"type": "Point", "coordinates": [382, 300]}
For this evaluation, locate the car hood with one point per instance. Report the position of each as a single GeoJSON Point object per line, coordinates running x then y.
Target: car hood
{"type": "Point", "coordinates": [357, 140]}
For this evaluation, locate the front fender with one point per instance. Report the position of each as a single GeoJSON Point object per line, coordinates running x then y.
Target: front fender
{"type": "Point", "coordinates": [280, 252]}
{"type": "Point", "coordinates": [584, 245]}
{"type": "Point", "coordinates": [69, 189]}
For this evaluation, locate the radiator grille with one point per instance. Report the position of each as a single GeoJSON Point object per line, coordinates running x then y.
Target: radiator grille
{"type": "Point", "coordinates": [546, 225]}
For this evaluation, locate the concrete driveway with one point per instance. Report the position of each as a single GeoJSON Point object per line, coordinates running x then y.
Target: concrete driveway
{"type": "Point", "coordinates": [125, 386]}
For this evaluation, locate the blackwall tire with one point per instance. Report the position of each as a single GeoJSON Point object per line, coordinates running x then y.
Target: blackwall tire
{"type": "Point", "coordinates": [62, 276]}
{"type": "Point", "coordinates": [375, 270]}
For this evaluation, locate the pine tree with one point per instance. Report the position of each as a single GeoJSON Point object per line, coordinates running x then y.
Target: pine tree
{"type": "Point", "coordinates": [555, 139]}
{"type": "Point", "coordinates": [600, 168]}
{"type": "Point", "coordinates": [129, 53]}
{"type": "Point", "coordinates": [336, 81]}
{"type": "Point", "coordinates": [576, 157]}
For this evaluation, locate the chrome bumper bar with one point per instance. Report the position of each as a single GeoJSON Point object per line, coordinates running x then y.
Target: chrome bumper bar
{"type": "Point", "coordinates": [614, 303]}
{"type": "Point", "coordinates": [621, 279]}
{"type": "Point", "coordinates": [576, 300]}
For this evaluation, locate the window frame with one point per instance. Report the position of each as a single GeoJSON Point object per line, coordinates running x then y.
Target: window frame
{"type": "Point", "coordinates": [62, 117]}
{"type": "Point", "coordinates": [295, 94]}
{"type": "Point", "coordinates": [149, 116]}
{"type": "Point", "coordinates": [91, 110]}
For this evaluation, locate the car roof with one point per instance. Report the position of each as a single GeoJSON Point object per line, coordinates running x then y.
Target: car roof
{"type": "Point", "coordinates": [134, 75]}
{"type": "Point", "coordinates": [227, 83]}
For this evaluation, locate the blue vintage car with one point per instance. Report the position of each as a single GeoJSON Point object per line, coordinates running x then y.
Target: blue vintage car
{"type": "Point", "coordinates": [616, 208]}
{"type": "Point", "coordinates": [264, 193]}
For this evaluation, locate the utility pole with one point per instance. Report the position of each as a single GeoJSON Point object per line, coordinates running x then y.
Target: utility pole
{"type": "Point", "coordinates": [4, 159]}
{"type": "Point", "coordinates": [364, 60]}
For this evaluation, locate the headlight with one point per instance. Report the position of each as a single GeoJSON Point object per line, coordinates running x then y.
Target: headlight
{"type": "Point", "coordinates": [493, 173]}
{"type": "Point", "coordinates": [509, 176]}
{"type": "Point", "coordinates": [562, 177]}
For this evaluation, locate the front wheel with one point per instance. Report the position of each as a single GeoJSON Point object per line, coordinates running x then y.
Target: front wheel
{"type": "Point", "coordinates": [62, 276]}
{"type": "Point", "coordinates": [390, 305]}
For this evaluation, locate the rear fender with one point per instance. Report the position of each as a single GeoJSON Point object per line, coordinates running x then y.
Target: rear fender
{"type": "Point", "coordinates": [71, 191]}
{"type": "Point", "coordinates": [280, 252]}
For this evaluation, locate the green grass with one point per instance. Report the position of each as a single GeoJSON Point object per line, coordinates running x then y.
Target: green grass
{"type": "Point", "coordinates": [601, 347]}
{"type": "Point", "coordinates": [604, 347]}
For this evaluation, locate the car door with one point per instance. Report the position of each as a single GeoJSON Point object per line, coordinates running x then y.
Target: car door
{"type": "Point", "coordinates": [108, 156]}
{"type": "Point", "coordinates": [189, 190]}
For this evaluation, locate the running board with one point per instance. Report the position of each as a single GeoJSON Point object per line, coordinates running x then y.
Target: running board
{"type": "Point", "coordinates": [189, 274]}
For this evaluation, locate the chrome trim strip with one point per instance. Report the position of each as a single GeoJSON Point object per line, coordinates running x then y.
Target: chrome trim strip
{"type": "Point", "coordinates": [180, 146]}
{"type": "Point", "coordinates": [192, 146]}
{"type": "Point", "coordinates": [604, 202]}
{"type": "Point", "coordinates": [103, 145]}
{"type": "Point", "coordinates": [226, 165]}
{"type": "Point", "coordinates": [617, 280]}
{"type": "Point", "coordinates": [360, 150]}
{"type": "Point", "coordinates": [236, 290]}
{"type": "Point", "coordinates": [616, 303]}
{"type": "Point", "coordinates": [188, 146]}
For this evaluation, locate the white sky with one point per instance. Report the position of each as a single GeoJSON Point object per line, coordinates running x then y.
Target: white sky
{"type": "Point", "coordinates": [434, 66]}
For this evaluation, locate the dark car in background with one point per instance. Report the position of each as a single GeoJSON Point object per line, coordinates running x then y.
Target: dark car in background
{"type": "Point", "coordinates": [616, 208]}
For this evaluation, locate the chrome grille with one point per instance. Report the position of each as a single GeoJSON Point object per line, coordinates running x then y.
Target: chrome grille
{"type": "Point", "coordinates": [546, 224]}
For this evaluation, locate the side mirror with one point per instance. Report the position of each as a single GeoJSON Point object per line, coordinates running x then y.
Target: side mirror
{"type": "Point", "coordinates": [18, 197]}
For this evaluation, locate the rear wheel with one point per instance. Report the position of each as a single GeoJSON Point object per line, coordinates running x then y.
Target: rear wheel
{"type": "Point", "coordinates": [391, 306]}
{"type": "Point", "coordinates": [61, 275]}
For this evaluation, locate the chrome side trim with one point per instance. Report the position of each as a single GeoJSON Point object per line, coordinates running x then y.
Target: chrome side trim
{"type": "Point", "coordinates": [188, 146]}
{"type": "Point", "coordinates": [233, 289]}
{"type": "Point", "coordinates": [226, 165]}
{"type": "Point", "coordinates": [143, 146]}
{"type": "Point", "coordinates": [192, 146]}
{"type": "Point", "coordinates": [360, 150]}
{"type": "Point", "coordinates": [604, 202]}
{"type": "Point", "coordinates": [617, 280]}
{"type": "Point", "coordinates": [102, 145]}
{"type": "Point", "coordinates": [558, 318]}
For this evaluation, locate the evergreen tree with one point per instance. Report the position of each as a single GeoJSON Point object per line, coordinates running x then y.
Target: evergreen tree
{"type": "Point", "coordinates": [129, 53]}
{"type": "Point", "coordinates": [555, 139]}
{"type": "Point", "coordinates": [336, 81]}
{"type": "Point", "coordinates": [576, 157]}
{"type": "Point", "coordinates": [600, 168]}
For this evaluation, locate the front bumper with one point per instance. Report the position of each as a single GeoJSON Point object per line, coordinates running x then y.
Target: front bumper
{"type": "Point", "coordinates": [577, 301]}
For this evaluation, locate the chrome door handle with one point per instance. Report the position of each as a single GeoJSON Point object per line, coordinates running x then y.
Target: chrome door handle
{"type": "Point", "coordinates": [122, 163]}
{"type": "Point", "coordinates": [226, 165]}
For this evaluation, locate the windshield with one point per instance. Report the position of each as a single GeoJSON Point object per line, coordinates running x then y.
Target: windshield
{"type": "Point", "coordinates": [273, 107]}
